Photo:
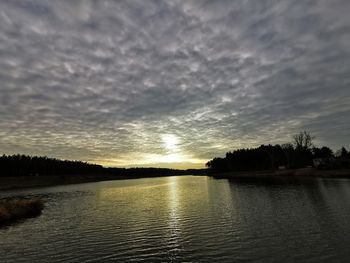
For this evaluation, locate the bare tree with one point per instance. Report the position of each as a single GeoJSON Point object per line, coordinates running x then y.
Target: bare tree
{"type": "Point", "coordinates": [303, 140]}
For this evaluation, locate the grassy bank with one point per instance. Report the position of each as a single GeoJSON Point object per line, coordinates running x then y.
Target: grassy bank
{"type": "Point", "coordinates": [13, 210]}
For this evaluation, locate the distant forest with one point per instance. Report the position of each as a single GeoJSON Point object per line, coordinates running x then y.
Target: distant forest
{"type": "Point", "coordinates": [23, 165]}
{"type": "Point", "coordinates": [298, 154]}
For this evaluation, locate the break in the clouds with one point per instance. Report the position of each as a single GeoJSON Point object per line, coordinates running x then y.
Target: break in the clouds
{"type": "Point", "coordinates": [158, 82]}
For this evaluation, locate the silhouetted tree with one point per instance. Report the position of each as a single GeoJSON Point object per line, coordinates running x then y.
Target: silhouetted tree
{"type": "Point", "coordinates": [303, 140]}
{"type": "Point", "coordinates": [218, 164]}
{"type": "Point", "coordinates": [265, 157]}
{"type": "Point", "coordinates": [324, 152]}
{"type": "Point", "coordinates": [343, 152]}
{"type": "Point", "coordinates": [289, 153]}
{"type": "Point", "coordinates": [268, 157]}
{"type": "Point", "coordinates": [22, 165]}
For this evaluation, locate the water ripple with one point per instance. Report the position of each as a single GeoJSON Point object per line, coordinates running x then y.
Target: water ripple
{"type": "Point", "coordinates": [184, 219]}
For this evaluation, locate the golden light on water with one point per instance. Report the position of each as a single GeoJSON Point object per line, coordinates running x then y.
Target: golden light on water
{"type": "Point", "coordinates": [173, 194]}
{"type": "Point", "coordinates": [174, 221]}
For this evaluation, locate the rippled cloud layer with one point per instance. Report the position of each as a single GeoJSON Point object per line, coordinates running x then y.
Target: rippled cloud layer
{"type": "Point", "coordinates": [157, 82]}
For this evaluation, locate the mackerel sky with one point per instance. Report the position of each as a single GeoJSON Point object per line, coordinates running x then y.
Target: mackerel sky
{"type": "Point", "coordinates": [171, 83]}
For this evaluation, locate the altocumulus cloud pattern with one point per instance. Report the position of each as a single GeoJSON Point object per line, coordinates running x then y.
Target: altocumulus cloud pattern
{"type": "Point", "coordinates": [157, 82]}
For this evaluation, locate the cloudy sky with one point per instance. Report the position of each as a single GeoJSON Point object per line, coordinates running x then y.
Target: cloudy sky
{"type": "Point", "coordinates": [171, 83]}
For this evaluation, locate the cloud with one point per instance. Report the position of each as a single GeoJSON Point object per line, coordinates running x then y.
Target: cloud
{"type": "Point", "coordinates": [105, 81]}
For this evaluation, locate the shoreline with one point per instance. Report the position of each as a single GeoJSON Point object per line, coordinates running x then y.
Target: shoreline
{"type": "Point", "coordinates": [290, 173]}
{"type": "Point", "coordinates": [23, 182]}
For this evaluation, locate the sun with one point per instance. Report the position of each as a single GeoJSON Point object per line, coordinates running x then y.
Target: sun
{"type": "Point", "coordinates": [170, 142]}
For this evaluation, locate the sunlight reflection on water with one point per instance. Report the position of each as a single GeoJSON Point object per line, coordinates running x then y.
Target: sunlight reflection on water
{"type": "Point", "coordinates": [187, 218]}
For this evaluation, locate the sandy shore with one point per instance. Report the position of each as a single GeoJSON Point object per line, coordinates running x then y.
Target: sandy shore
{"type": "Point", "coordinates": [305, 172]}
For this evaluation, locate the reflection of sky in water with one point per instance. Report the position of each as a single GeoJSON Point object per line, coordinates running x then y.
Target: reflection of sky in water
{"type": "Point", "coordinates": [185, 219]}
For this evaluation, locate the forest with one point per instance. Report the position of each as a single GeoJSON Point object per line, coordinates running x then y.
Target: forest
{"type": "Point", "coordinates": [299, 154]}
{"type": "Point", "coordinates": [24, 165]}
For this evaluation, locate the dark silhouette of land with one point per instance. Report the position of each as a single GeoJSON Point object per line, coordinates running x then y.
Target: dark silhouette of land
{"type": "Point", "coordinates": [300, 157]}
{"type": "Point", "coordinates": [19, 171]}
{"type": "Point", "coordinates": [17, 209]}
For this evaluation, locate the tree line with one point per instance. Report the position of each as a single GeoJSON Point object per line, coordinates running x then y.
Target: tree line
{"type": "Point", "coordinates": [298, 154]}
{"type": "Point", "coordinates": [24, 165]}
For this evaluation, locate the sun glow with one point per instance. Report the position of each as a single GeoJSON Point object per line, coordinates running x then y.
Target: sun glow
{"type": "Point", "coordinates": [170, 142]}
{"type": "Point", "coordinates": [173, 152]}
{"type": "Point", "coordinates": [172, 155]}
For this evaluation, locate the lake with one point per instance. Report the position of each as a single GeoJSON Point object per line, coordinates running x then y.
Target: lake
{"type": "Point", "coordinates": [185, 219]}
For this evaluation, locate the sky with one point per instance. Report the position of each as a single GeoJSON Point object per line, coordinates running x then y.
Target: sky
{"type": "Point", "coordinates": [171, 83]}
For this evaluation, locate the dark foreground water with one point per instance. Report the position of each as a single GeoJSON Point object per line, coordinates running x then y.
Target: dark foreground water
{"type": "Point", "coordinates": [185, 219]}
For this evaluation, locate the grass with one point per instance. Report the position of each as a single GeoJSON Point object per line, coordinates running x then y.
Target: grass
{"type": "Point", "coordinates": [16, 209]}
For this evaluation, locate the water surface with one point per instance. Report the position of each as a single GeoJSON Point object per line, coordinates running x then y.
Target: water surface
{"type": "Point", "coordinates": [185, 219]}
